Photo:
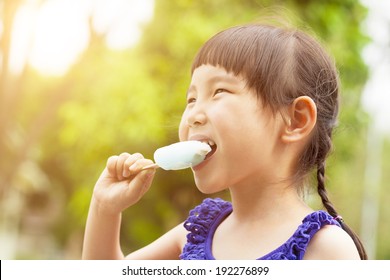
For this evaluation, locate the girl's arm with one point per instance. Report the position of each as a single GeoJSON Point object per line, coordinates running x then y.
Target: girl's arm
{"type": "Point", "coordinates": [167, 247]}
{"type": "Point", "coordinates": [101, 238]}
{"type": "Point", "coordinates": [121, 185]}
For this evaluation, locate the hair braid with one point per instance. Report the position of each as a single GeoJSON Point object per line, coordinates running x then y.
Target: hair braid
{"type": "Point", "coordinates": [322, 190]}
{"type": "Point", "coordinates": [332, 210]}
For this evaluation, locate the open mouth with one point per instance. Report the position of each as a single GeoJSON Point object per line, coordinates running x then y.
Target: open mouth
{"type": "Point", "coordinates": [213, 150]}
{"type": "Point", "coordinates": [213, 147]}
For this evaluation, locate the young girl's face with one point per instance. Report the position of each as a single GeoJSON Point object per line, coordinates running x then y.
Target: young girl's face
{"type": "Point", "coordinates": [244, 135]}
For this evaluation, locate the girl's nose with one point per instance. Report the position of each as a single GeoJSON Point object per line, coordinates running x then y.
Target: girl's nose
{"type": "Point", "coordinates": [196, 117]}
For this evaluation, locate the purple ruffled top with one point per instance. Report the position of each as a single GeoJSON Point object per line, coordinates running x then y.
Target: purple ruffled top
{"type": "Point", "coordinates": [204, 219]}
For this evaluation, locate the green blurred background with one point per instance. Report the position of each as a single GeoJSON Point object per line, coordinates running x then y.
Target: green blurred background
{"type": "Point", "coordinates": [58, 128]}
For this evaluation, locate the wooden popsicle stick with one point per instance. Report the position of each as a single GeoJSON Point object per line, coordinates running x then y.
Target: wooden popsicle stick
{"type": "Point", "coordinates": [151, 166]}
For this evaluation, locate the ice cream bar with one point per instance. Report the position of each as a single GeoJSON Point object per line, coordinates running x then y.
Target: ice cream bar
{"type": "Point", "coordinates": [181, 155]}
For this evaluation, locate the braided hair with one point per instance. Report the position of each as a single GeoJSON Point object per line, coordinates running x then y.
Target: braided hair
{"type": "Point", "coordinates": [281, 64]}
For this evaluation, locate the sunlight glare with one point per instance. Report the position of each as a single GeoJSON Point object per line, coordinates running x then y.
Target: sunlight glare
{"type": "Point", "coordinates": [22, 36]}
{"type": "Point", "coordinates": [50, 35]}
{"type": "Point", "coordinates": [121, 20]}
{"type": "Point", "coordinates": [61, 35]}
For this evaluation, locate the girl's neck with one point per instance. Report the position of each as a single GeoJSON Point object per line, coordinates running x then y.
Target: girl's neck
{"type": "Point", "coordinates": [269, 213]}
{"type": "Point", "coordinates": [264, 202]}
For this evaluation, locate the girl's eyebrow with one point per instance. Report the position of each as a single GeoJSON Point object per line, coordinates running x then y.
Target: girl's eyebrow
{"type": "Point", "coordinates": [215, 79]}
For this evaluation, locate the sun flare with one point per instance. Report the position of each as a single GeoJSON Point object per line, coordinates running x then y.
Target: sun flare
{"type": "Point", "coordinates": [50, 36]}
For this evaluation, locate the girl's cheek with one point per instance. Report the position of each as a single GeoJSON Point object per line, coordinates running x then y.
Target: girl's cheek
{"type": "Point", "coordinates": [183, 130]}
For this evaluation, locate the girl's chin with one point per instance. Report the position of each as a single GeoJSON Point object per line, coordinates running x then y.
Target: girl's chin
{"type": "Point", "coordinates": [208, 187]}
{"type": "Point", "coordinates": [206, 191]}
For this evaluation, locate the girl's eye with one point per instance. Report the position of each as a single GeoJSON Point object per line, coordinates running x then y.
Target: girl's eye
{"type": "Point", "coordinates": [220, 90]}
{"type": "Point", "coordinates": [191, 100]}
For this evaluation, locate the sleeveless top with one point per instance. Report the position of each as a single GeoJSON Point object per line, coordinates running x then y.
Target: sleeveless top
{"type": "Point", "coordinates": [204, 219]}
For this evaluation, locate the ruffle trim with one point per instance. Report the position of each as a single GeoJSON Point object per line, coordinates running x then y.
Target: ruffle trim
{"type": "Point", "coordinates": [295, 247]}
{"type": "Point", "coordinates": [199, 222]}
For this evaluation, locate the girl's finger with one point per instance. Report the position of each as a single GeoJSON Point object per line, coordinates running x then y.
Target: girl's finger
{"type": "Point", "coordinates": [137, 166]}
{"type": "Point", "coordinates": [130, 161]}
{"type": "Point", "coordinates": [119, 165]}
{"type": "Point", "coordinates": [140, 184]}
{"type": "Point", "coordinates": [111, 165]}
{"type": "Point", "coordinates": [133, 158]}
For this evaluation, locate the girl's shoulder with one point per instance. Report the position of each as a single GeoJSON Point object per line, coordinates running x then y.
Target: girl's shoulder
{"type": "Point", "coordinates": [296, 247]}
{"type": "Point", "coordinates": [331, 243]}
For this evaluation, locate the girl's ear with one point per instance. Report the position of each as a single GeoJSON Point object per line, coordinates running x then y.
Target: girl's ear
{"type": "Point", "coordinates": [301, 119]}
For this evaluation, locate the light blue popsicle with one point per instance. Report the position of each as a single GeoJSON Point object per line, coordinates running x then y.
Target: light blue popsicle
{"type": "Point", "coordinates": [181, 155]}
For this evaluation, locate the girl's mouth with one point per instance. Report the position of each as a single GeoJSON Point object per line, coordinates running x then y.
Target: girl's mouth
{"type": "Point", "coordinates": [210, 143]}
{"type": "Point", "coordinates": [213, 150]}
{"type": "Point", "coordinates": [206, 159]}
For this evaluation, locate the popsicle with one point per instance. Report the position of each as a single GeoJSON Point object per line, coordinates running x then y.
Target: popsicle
{"type": "Point", "coordinates": [180, 155]}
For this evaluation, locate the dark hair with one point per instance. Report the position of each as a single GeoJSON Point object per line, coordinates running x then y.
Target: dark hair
{"type": "Point", "coordinates": [282, 64]}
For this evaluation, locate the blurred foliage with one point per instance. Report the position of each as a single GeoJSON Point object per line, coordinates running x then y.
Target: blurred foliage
{"type": "Point", "coordinates": [56, 133]}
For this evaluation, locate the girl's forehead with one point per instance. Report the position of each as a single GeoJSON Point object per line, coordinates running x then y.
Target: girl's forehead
{"type": "Point", "coordinates": [213, 73]}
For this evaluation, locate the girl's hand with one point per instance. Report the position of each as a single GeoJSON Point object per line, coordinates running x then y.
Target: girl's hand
{"type": "Point", "coordinates": [122, 183]}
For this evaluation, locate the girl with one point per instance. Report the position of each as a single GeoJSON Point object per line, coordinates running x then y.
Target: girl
{"type": "Point", "coordinates": [268, 98]}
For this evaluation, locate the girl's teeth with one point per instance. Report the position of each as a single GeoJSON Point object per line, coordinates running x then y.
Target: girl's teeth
{"type": "Point", "coordinates": [209, 142]}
